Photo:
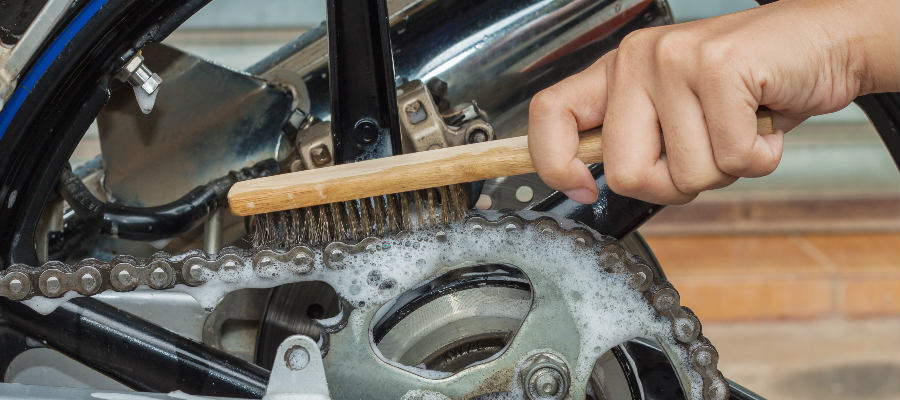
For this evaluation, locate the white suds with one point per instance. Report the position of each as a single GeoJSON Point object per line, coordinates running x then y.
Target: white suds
{"type": "Point", "coordinates": [605, 310]}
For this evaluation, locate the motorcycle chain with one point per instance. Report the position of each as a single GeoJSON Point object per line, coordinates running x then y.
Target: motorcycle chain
{"type": "Point", "coordinates": [233, 265]}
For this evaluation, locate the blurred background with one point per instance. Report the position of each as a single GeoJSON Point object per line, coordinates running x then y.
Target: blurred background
{"type": "Point", "coordinates": [795, 276]}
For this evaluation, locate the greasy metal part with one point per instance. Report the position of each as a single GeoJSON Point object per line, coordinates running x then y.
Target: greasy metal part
{"type": "Point", "coordinates": [315, 145]}
{"type": "Point", "coordinates": [391, 381]}
{"type": "Point", "coordinates": [229, 327]}
{"type": "Point", "coordinates": [234, 267]}
{"type": "Point", "coordinates": [298, 373]}
{"type": "Point", "coordinates": [235, 118]}
{"type": "Point", "coordinates": [14, 58]}
{"type": "Point", "coordinates": [544, 376]}
{"type": "Point", "coordinates": [361, 81]}
{"type": "Point", "coordinates": [158, 222]}
{"type": "Point", "coordinates": [290, 310]}
{"type": "Point", "coordinates": [136, 353]}
{"type": "Point", "coordinates": [454, 320]}
{"type": "Point", "coordinates": [424, 127]}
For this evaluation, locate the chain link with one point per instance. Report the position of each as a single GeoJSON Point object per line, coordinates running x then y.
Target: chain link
{"type": "Point", "coordinates": [233, 265]}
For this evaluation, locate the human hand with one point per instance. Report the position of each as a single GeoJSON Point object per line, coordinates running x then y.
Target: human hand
{"type": "Point", "coordinates": [677, 103]}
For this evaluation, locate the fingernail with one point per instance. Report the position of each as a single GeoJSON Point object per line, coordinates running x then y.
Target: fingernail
{"type": "Point", "coordinates": [582, 195]}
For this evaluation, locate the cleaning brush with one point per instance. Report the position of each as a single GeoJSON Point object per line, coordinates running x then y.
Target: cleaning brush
{"type": "Point", "coordinates": [399, 192]}
{"type": "Point", "coordinates": [356, 219]}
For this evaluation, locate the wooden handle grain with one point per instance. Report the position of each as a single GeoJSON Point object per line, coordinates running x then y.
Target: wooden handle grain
{"type": "Point", "coordinates": [395, 174]}
{"type": "Point", "coordinates": [402, 173]}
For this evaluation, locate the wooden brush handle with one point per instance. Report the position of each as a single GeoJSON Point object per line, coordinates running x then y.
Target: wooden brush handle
{"type": "Point", "coordinates": [403, 173]}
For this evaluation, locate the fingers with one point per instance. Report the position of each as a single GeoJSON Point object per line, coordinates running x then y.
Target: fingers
{"type": "Point", "coordinates": [689, 153]}
{"type": "Point", "coordinates": [730, 111]}
{"type": "Point", "coordinates": [632, 144]}
{"type": "Point", "coordinates": [556, 116]}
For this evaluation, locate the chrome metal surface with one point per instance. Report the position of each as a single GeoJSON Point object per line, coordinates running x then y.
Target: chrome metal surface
{"type": "Point", "coordinates": [497, 54]}
{"type": "Point", "coordinates": [424, 127]}
{"type": "Point", "coordinates": [212, 232]}
{"type": "Point", "coordinates": [208, 120]}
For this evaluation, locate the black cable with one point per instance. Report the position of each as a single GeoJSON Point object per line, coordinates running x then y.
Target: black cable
{"type": "Point", "coordinates": [158, 222]}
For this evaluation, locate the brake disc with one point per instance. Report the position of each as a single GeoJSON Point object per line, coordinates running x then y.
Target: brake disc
{"type": "Point", "coordinates": [588, 295]}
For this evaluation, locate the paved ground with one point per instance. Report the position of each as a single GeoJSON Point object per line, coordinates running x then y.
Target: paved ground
{"type": "Point", "coordinates": [827, 359]}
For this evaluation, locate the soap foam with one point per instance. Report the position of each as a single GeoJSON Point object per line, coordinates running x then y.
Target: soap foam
{"type": "Point", "coordinates": [606, 310]}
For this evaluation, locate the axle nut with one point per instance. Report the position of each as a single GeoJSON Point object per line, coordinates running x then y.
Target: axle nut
{"type": "Point", "coordinates": [544, 376]}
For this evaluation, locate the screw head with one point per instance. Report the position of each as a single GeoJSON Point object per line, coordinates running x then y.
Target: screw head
{"type": "Point", "coordinates": [415, 112]}
{"type": "Point", "coordinates": [366, 131]}
{"type": "Point", "coordinates": [478, 135]}
{"type": "Point", "coordinates": [544, 376]}
{"type": "Point", "coordinates": [320, 155]}
{"type": "Point", "coordinates": [297, 358]}
{"type": "Point", "coordinates": [545, 383]}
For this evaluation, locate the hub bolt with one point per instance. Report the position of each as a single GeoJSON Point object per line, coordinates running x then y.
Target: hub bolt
{"type": "Point", "coordinates": [544, 376]}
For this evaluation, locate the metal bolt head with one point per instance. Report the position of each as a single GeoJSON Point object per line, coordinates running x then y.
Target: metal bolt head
{"type": "Point", "coordinates": [478, 135]}
{"type": "Point", "coordinates": [296, 358]}
{"type": "Point", "coordinates": [415, 112]}
{"type": "Point", "coordinates": [320, 155]}
{"type": "Point", "coordinates": [544, 376]}
{"type": "Point", "coordinates": [15, 286]}
{"type": "Point", "coordinates": [52, 285]}
{"type": "Point", "coordinates": [545, 383]}
{"type": "Point", "coordinates": [366, 131]}
{"type": "Point", "coordinates": [88, 282]}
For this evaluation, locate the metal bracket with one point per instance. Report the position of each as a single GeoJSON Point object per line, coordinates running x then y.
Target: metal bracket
{"type": "Point", "coordinates": [298, 372]}
{"type": "Point", "coordinates": [423, 127]}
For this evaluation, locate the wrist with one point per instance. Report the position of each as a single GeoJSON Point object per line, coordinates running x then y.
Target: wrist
{"type": "Point", "coordinates": [873, 43]}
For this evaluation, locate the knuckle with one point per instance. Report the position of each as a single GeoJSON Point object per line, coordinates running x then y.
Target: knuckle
{"type": "Point", "coordinates": [716, 53]}
{"type": "Point", "coordinates": [626, 181]}
{"type": "Point", "coordinates": [672, 48]}
{"type": "Point", "coordinates": [734, 161]}
{"type": "Point", "coordinates": [690, 183]}
{"type": "Point", "coordinates": [543, 102]}
{"type": "Point", "coordinates": [635, 43]}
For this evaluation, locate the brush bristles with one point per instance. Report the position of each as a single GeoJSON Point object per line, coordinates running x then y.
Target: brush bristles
{"type": "Point", "coordinates": [357, 219]}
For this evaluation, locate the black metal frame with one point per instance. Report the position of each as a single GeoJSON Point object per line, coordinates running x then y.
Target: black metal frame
{"type": "Point", "coordinates": [364, 120]}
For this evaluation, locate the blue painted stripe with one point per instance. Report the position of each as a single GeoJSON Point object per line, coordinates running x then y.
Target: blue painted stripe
{"type": "Point", "coordinates": [40, 67]}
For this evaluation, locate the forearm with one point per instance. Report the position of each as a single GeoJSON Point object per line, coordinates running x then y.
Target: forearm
{"type": "Point", "coordinates": [874, 31]}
